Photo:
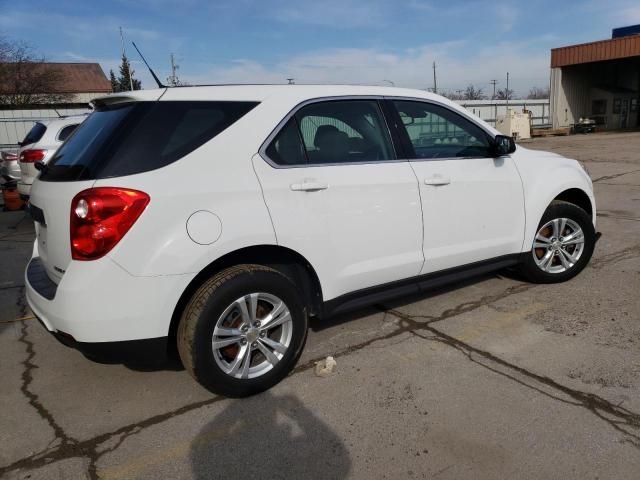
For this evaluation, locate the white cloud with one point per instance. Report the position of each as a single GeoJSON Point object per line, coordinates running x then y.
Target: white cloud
{"type": "Point", "coordinates": [409, 68]}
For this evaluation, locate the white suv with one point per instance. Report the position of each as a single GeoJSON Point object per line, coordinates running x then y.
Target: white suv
{"type": "Point", "coordinates": [221, 218]}
{"type": "Point", "coordinates": [40, 144]}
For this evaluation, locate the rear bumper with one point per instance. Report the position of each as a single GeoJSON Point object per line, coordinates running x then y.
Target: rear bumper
{"type": "Point", "coordinates": [24, 189]}
{"type": "Point", "coordinates": [146, 352]}
{"type": "Point", "coordinates": [99, 302]}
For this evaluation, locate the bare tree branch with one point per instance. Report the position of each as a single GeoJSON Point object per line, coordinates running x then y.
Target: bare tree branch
{"type": "Point", "coordinates": [26, 79]}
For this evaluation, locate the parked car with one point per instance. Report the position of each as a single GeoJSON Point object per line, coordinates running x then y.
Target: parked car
{"type": "Point", "coordinates": [40, 144]}
{"type": "Point", "coordinates": [220, 219]}
{"type": "Point", "coordinates": [9, 168]}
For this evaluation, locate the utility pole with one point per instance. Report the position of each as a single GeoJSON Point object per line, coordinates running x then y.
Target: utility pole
{"type": "Point", "coordinates": [173, 80]}
{"type": "Point", "coordinates": [435, 82]}
{"type": "Point", "coordinates": [493, 82]}
{"type": "Point", "coordinates": [507, 91]}
{"type": "Point", "coordinates": [124, 55]}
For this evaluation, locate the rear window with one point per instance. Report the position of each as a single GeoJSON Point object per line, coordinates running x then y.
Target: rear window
{"type": "Point", "coordinates": [126, 139]}
{"type": "Point", "coordinates": [34, 135]}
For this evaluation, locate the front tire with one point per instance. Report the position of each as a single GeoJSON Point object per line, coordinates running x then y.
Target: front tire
{"type": "Point", "coordinates": [242, 331]}
{"type": "Point", "coordinates": [563, 244]}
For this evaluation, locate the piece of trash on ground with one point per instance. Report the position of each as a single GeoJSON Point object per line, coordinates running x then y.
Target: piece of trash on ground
{"type": "Point", "coordinates": [326, 367]}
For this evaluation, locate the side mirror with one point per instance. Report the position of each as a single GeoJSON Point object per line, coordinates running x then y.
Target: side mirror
{"type": "Point", "coordinates": [503, 145]}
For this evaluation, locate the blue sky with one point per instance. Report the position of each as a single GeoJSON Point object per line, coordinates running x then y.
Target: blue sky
{"type": "Point", "coordinates": [334, 41]}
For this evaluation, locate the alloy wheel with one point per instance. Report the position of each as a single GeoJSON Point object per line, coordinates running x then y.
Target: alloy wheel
{"type": "Point", "coordinates": [558, 245]}
{"type": "Point", "coordinates": [252, 335]}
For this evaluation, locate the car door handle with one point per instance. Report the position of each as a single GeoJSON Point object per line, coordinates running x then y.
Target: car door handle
{"type": "Point", "coordinates": [437, 181]}
{"type": "Point", "coordinates": [308, 186]}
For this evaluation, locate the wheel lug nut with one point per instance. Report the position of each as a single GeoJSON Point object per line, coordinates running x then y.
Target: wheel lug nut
{"type": "Point", "coordinates": [254, 344]}
{"type": "Point", "coordinates": [256, 324]}
{"type": "Point", "coordinates": [262, 334]}
{"type": "Point", "coordinates": [244, 328]}
{"type": "Point", "coordinates": [243, 341]}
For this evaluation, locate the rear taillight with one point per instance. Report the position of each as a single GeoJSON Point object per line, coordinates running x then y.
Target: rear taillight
{"type": "Point", "coordinates": [100, 217]}
{"type": "Point", "coordinates": [32, 156]}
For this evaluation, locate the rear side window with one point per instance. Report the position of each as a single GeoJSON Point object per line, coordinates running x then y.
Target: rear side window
{"type": "Point", "coordinates": [286, 148]}
{"type": "Point", "coordinates": [332, 133]}
{"type": "Point", "coordinates": [66, 131]}
{"type": "Point", "coordinates": [344, 131]}
{"type": "Point", "coordinates": [34, 135]}
{"type": "Point", "coordinates": [126, 139]}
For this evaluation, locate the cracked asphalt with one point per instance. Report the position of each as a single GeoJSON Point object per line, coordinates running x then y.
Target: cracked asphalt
{"type": "Point", "coordinates": [491, 378]}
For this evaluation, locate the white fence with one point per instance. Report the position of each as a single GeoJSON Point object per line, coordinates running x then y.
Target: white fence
{"type": "Point", "coordinates": [14, 124]}
{"type": "Point", "coordinates": [489, 110]}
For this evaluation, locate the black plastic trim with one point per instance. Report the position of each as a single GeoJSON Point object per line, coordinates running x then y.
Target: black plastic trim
{"type": "Point", "coordinates": [381, 293]}
{"type": "Point", "coordinates": [36, 214]}
{"type": "Point", "coordinates": [39, 280]}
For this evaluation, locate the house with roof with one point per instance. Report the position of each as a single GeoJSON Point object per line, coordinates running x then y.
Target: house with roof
{"type": "Point", "coordinates": [75, 85]}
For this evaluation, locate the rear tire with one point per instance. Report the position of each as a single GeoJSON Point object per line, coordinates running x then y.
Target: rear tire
{"type": "Point", "coordinates": [242, 331]}
{"type": "Point", "coordinates": [563, 245]}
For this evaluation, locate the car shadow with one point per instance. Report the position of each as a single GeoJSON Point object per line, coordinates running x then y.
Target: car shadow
{"type": "Point", "coordinates": [268, 436]}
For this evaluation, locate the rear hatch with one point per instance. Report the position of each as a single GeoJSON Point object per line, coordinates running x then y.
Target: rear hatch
{"type": "Point", "coordinates": [72, 169]}
{"type": "Point", "coordinates": [123, 136]}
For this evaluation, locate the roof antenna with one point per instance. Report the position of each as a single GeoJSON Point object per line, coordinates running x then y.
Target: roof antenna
{"type": "Point", "coordinates": [160, 85]}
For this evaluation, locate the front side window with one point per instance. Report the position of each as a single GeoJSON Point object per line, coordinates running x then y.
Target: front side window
{"type": "Point", "coordinates": [437, 132]}
{"type": "Point", "coordinates": [344, 131]}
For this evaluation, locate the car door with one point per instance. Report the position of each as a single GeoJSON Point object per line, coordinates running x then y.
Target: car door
{"type": "Point", "coordinates": [338, 195]}
{"type": "Point", "coordinates": [472, 203]}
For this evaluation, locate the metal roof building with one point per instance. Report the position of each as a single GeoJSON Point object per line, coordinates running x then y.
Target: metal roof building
{"type": "Point", "coordinates": [598, 80]}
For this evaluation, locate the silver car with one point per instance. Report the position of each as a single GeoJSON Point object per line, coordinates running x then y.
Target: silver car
{"type": "Point", "coordinates": [9, 168]}
{"type": "Point", "coordinates": [39, 145]}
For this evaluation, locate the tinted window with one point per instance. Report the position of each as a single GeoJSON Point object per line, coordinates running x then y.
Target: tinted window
{"type": "Point", "coordinates": [66, 131]}
{"type": "Point", "coordinates": [133, 138]}
{"type": "Point", "coordinates": [344, 131]}
{"type": "Point", "coordinates": [34, 135]}
{"type": "Point", "coordinates": [437, 132]}
{"type": "Point", "coordinates": [286, 148]}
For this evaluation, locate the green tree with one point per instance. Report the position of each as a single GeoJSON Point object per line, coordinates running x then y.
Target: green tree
{"type": "Point", "coordinates": [115, 86]}
{"type": "Point", "coordinates": [126, 79]}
